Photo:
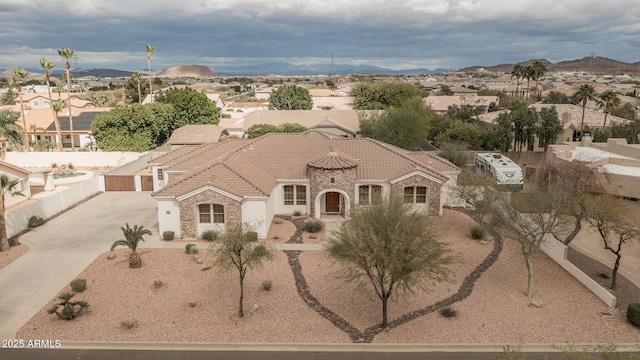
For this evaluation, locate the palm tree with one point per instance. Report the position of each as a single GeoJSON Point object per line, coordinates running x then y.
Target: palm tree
{"type": "Point", "coordinates": [539, 69]}
{"type": "Point", "coordinates": [18, 77]}
{"type": "Point", "coordinates": [517, 72]}
{"type": "Point", "coordinates": [528, 73]}
{"type": "Point", "coordinates": [150, 50]}
{"type": "Point", "coordinates": [9, 129]}
{"type": "Point", "coordinates": [68, 54]}
{"type": "Point", "coordinates": [137, 76]}
{"type": "Point", "coordinates": [585, 93]}
{"type": "Point", "coordinates": [132, 237]}
{"type": "Point", "coordinates": [608, 100]}
{"type": "Point", "coordinates": [7, 187]}
{"type": "Point", "coordinates": [47, 66]}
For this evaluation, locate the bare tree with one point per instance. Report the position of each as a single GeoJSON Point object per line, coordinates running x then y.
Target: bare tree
{"type": "Point", "coordinates": [392, 247]}
{"type": "Point", "coordinates": [529, 218]}
{"type": "Point", "coordinates": [617, 224]}
{"type": "Point", "coordinates": [237, 249]}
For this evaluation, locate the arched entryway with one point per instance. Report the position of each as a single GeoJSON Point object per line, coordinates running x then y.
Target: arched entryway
{"type": "Point", "coordinates": [331, 202]}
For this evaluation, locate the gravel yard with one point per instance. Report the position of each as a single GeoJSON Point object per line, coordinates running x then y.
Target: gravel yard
{"type": "Point", "coordinates": [7, 257]}
{"type": "Point", "coordinates": [496, 311]}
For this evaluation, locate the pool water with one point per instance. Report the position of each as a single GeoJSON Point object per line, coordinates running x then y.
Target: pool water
{"type": "Point", "coordinates": [65, 176]}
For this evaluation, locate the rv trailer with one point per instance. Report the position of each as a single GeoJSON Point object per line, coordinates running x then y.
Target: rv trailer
{"type": "Point", "coordinates": [507, 175]}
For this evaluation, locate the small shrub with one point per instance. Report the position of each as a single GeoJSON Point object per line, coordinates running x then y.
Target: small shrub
{"type": "Point", "coordinates": [35, 221]}
{"type": "Point", "coordinates": [251, 236]}
{"type": "Point", "coordinates": [192, 304]}
{"type": "Point", "coordinates": [633, 314]}
{"type": "Point", "coordinates": [78, 285]}
{"type": "Point", "coordinates": [266, 285]}
{"type": "Point", "coordinates": [448, 312]}
{"type": "Point", "coordinates": [128, 324]}
{"type": "Point", "coordinates": [477, 233]}
{"type": "Point", "coordinates": [275, 237]}
{"type": "Point", "coordinates": [158, 284]}
{"type": "Point", "coordinates": [313, 226]}
{"type": "Point", "coordinates": [277, 221]}
{"type": "Point", "coordinates": [210, 235]}
{"type": "Point", "coordinates": [297, 213]}
{"type": "Point", "coordinates": [168, 235]}
{"type": "Point", "coordinates": [191, 249]}
{"type": "Point", "coordinates": [70, 309]}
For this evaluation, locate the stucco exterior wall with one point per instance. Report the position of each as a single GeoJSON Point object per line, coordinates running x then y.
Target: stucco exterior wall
{"type": "Point", "coordinates": [169, 216]}
{"type": "Point", "coordinates": [189, 211]}
{"type": "Point", "coordinates": [254, 212]}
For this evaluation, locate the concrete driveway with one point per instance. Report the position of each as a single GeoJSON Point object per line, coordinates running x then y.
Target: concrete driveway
{"type": "Point", "coordinates": [60, 249]}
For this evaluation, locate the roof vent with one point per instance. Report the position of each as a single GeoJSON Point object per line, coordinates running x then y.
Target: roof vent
{"type": "Point", "coordinates": [496, 156]}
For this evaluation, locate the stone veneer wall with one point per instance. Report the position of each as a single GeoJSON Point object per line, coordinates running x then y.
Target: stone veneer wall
{"type": "Point", "coordinates": [433, 187]}
{"type": "Point", "coordinates": [345, 180]}
{"type": "Point", "coordinates": [189, 211]}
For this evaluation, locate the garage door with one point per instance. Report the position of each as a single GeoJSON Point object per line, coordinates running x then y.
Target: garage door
{"type": "Point", "coordinates": [119, 183]}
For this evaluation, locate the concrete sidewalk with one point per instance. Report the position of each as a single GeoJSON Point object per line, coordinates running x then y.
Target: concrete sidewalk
{"type": "Point", "coordinates": [62, 248]}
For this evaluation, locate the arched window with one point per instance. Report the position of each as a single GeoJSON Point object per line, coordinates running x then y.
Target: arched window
{"type": "Point", "coordinates": [211, 214]}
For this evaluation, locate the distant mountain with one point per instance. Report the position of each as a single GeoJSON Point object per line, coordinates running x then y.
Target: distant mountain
{"type": "Point", "coordinates": [318, 69]}
{"type": "Point", "coordinates": [597, 65]}
{"type": "Point", "coordinates": [187, 71]}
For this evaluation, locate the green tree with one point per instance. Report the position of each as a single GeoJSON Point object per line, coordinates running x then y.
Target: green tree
{"type": "Point", "coordinates": [524, 120]}
{"type": "Point", "coordinates": [68, 54]}
{"type": "Point", "coordinates": [406, 126]}
{"type": "Point", "coordinates": [502, 136]}
{"type": "Point", "coordinates": [150, 50]}
{"type": "Point", "coordinates": [608, 101]}
{"type": "Point", "coordinates": [392, 247]}
{"type": "Point", "coordinates": [445, 90]}
{"type": "Point", "coordinates": [8, 98]}
{"type": "Point", "coordinates": [290, 98]}
{"type": "Point", "coordinates": [556, 97]}
{"type": "Point", "coordinates": [383, 95]}
{"type": "Point", "coordinates": [135, 89]}
{"type": "Point", "coordinates": [528, 73]}
{"type": "Point", "coordinates": [539, 69]}
{"type": "Point", "coordinates": [191, 107]}
{"type": "Point", "coordinates": [585, 93]}
{"type": "Point", "coordinates": [549, 127]}
{"type": "Point", "coordinates": [463, 133]}
{"type": "Point", "coordinates": [133, 128]}
{"type": "Point", "coordinates": [237, 249]}
{"type": "Point", "coordinates": [260, 129]}
{"type": "Point", "coordinates": [7, 188]}
{"type": "Point", "coordinates": [132, 236]}
{"type": "Point", "coordinates": [19, 75]}
{"type": "Point", "coordinates": [48, 66]}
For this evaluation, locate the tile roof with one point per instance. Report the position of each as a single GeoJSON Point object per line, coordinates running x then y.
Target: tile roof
{"type": "Point", "coordinates": [591, 118]}
{"type": "Point", "coordinates": [196, 134]}
{"type": "Point", "coordinates": [255, 165]}
{"type": "Point", "coordinates": [308, 118]}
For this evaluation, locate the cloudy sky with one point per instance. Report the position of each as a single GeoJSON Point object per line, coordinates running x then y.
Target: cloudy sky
{"type": "Point", "coordinates": [397, 34]}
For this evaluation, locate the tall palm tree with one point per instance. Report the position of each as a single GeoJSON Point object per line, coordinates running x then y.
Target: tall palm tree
{"type": "Point", "coordinates": [68, 54]}
{"type": "Point", "coordinates": [132, 238]}
{"type": "Point", "coordinates": [585, 93]}
{"type": "Point", "coordinates": [517, 72]}
{"type": "Point", "coordinates": [528, 73]}
{"type": "Point", "coordinates": [539, 69]}
{"type": "Point", "coordinates": [7, 187]}
{"type": "Point", "coordinates": [137, 77]}
{"type": "Point", "coordinates": [19, 75]}
{"type": "Point", "coordinates": [57, 107]}
{"type": "Point", "coordinates": [150, 50]}
{"type": "Point", "coordinates": [608, 100]}
{"type": "Point", "coordinates": [47, 66]}
{"type": "Point", "coordinates": [9, 129]}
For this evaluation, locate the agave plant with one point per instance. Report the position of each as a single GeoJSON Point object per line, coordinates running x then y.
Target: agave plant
{"type": "Point", "coordinates": [132, 237]}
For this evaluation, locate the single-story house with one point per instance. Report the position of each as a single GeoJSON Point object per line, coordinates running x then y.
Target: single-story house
{"type": "Point", "coordinates": [201, 188]}
{"type": "Point", "coordinates": [195, 135]}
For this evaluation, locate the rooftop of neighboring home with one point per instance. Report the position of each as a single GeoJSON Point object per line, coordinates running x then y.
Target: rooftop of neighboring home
{"type": "Point", "coordinates": [572, 115]}
{"type": "Point", "coordinates": [347, 119]}
{"type": "Point", "coordinates": [615, 156]}
{"type": "Point", "coordinates": [196, 135]}
{"type": "Point", "coordinates": [252, 167]}
{"type": "Point", "coordinates": [82, 119]}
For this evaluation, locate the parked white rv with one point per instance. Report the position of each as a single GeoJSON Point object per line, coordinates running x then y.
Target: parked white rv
{"type": "Point", "coordinates": [507, 174]}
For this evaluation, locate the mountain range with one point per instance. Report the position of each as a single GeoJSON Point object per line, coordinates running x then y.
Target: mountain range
{"type": "Point", "coordinates": [597, 65]}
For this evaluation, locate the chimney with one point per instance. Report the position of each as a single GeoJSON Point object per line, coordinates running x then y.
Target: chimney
{"type": "Point", "coordinates": [586, 140]}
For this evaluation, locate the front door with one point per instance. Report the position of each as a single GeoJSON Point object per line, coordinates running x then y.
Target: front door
{"type": "Point", "coordinates": [332, 202]}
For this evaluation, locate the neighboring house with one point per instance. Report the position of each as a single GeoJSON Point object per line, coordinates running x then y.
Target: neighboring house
{"type": "Point", "coordinates": [619, 160]}
{"type": "Point", "coordinates": [82, 119]}
{"type": "Point", "coordinates": [264, 94]}
{"type": "Point", "coordinates": [343, 123]}
{"type": "Point", "coordinates": [41, 101]}
{"type": "Point", "coordinates": [16, 172]}
{"type": "Point", "coordinates": [217, 99]}
{"type": "Point", "coordinates": [441, 104]}
{"type": "Point", "coordinates": [195, 135]}
{"type": "Point", "coordinates": [201, 188]}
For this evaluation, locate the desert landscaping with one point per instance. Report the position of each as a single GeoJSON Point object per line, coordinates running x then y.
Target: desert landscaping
{"type": "Point", "coordinates": [171, 299]}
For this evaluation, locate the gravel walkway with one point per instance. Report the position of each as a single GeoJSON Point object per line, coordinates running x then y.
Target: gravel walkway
{"type": "Point", "coordinates": [491, 307]}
